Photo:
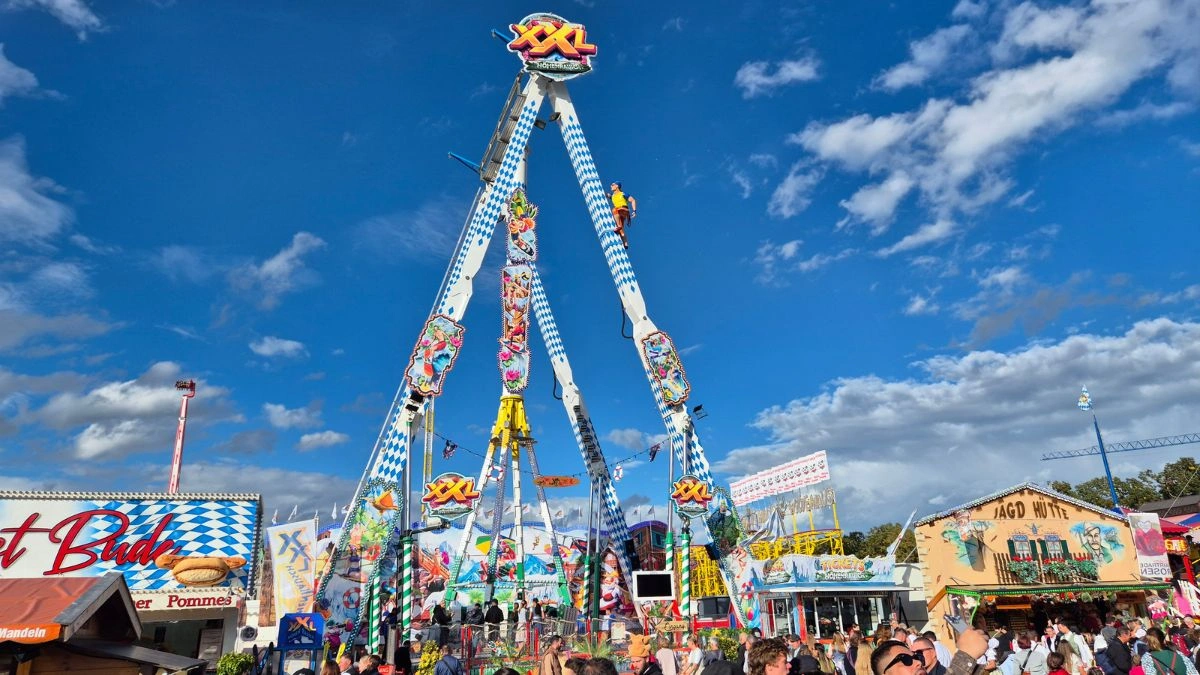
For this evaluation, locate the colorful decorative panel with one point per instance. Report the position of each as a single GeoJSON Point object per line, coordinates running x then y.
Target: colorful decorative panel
{"type": "Point", "coordinates": [435, 354]}
{"type": "Point", "coordinates": [513, 357]}
{"type": "Point", "coordinates": [520, 216]}
{"type": "Point", "coordinates": [666, 368]}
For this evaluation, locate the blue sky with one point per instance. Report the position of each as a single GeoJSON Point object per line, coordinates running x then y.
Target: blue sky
{"type": "Point", "coordinates": [904, 234]}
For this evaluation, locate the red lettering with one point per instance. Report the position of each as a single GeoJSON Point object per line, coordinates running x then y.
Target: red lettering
{"type": "Point", "coordinates": [141, 604]}
{"type": "Point", "coordinates": [68, 547]}
{"type": "Point", "coordinates": [10, 549]}
{"type": "Point", "coordinates": [142, 551]}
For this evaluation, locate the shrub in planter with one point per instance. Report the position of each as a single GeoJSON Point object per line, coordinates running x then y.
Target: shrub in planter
{"type": "Point", "coordinates": [234, 664]}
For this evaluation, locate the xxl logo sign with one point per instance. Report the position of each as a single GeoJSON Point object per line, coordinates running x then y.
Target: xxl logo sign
{"type": "Point", "coordinates": [552, 46]}
{"type": "Point", "coordinates": [451, 495]}
{"type": "Point", "coordinates": [691, 496]}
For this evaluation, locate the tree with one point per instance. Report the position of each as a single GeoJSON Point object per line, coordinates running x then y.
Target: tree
{"type": "Point", "coordinates": [852, 542]}
{"type": "Point", "coordinates": [1177, 478]}
{"type": "Point", "coordinates": [881, 536]}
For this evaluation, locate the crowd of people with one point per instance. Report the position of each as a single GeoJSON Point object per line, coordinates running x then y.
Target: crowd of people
{"type": "Point", "coordinates": [1123, 647]}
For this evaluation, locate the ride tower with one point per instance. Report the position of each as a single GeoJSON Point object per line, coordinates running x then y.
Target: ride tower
{"type": "Point", "coordinates": [553, 50]}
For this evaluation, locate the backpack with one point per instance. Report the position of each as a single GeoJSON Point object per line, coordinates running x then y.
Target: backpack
{"type": "Point", "coordinates": [1104, 663]}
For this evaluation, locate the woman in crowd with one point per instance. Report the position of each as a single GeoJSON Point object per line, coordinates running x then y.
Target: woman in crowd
{"type": "Point", "coordinates": [1162, 658]}
{"type": "Point", "coordinates": [839, 653]}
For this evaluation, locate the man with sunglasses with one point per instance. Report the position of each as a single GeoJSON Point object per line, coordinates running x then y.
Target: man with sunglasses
{"type": "Point", "coordinates": [892, 657]}
{"type": "Point", "coordinates": [924, 647]}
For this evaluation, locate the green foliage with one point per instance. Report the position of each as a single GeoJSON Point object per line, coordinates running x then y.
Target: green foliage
{"type": "Point", "coordinates": [1061, 570]}
{"type": "Point", "coordinates": [1176, 479]}
{"type": "Point", "coordinates": [1025, 570]}
{"type": "Point", "coordinates": [1086, 568]}
{"type": "Point", "coordinates": [234, 664]}
{"type": "Point", "coordinates": [853, 543]}
{"type": "Point", "coordinates": [878, 538]}
{"type": "Point", "coordinates": [430, 655]}
{"type": "Point", "coordinates": [593, 646]}
{"type": "Point", "coordinates": [727, 638]}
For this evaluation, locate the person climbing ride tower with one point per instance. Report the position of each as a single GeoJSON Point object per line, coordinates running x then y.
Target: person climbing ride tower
{"type": "Point", "coordinates": [622, 205]}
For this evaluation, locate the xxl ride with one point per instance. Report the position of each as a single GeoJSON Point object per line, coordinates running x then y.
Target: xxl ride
{"type": "Point", "coordinates": [375, 521]}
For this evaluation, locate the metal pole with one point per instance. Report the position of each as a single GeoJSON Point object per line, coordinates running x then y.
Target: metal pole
{"type": "Point", "coordinates": [670, 554]}
{"type": "Point", "coordinates": [408, 582]}
{"type": "Point", "coordinates": [685, 575]}
{"type": "Point", "coordinates": [518, 518]}
{"type": "Point", "coordinates": [189, 390]}
{"type": "Point", "coordinates": [587, 556]}
{"type": "Point", "coordinates": [1112, 489]}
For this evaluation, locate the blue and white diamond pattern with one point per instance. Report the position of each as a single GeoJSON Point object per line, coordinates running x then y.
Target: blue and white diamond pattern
{"type": "Point", "coordinates": [388, 464]}
{"type": "Point", "coordinates": [614, 516]}
{"type": "Point", "coordinates": [202, 528]}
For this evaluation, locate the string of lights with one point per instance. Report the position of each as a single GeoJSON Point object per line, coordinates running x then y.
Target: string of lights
{"type": "Point", "coordinates": [652, 450]}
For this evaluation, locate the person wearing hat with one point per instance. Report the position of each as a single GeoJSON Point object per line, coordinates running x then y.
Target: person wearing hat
{"type": "Point", "coordinates": [639, 656]}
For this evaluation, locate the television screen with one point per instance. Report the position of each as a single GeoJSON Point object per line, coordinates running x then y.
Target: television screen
{"type": "Point", "coordinates": [653, 586]}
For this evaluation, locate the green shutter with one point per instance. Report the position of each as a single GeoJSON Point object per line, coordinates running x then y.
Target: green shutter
{"type": "Point", "coordinates": [1012, 549]}
{"type": "Point", "coordinates": [1042, 545]}
{"type": "Point", "coordinates": [1065, 549]}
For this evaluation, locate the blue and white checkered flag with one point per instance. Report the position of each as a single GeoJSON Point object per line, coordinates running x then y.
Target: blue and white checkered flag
{"type": "Point", "coordinates": [1085, 400]}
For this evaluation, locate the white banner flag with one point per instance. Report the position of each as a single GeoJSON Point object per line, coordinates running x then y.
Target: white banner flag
{"type": "Point", "coordinates": [798, 473]}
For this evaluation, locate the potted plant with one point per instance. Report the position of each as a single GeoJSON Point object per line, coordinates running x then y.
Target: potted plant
{"type": "Point", "coordinates": [234, 664]}
{"type": "Point", "coordinates": [1026, 569]}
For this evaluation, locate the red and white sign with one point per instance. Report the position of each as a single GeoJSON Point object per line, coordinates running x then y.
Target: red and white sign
{"type": "Point", "coordinates": [798, 473]}
{"type": "Point", "coordinates": [192, 598]}
{"type": "Point", "coordinates": [88, 535]}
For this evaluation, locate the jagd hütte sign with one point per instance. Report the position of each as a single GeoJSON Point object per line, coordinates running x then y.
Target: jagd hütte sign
{"type": "Point", "coordinates": [159, 543]}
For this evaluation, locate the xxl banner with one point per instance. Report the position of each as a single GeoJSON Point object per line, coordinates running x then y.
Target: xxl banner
{"type": "Point", "coordinates": [159, 542]}
{"type": "Point", "coordinates": [798, 473]}
{"type": "Point", "coordinates": [1150, 546]}
{"type": "Point", "coordinates": [293, 556]}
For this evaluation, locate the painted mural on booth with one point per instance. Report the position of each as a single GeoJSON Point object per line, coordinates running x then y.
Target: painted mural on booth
{"type": "Point", "coordinates": [966, 534]}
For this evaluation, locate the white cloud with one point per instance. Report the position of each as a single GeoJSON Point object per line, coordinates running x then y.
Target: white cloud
{"type": "Point", "coordinates": [92, 246]}
{"type": "Point", "coordinates": [755, 78]}
{"type": "Point", "coordinates": [929, 233]}
{"type": "Point", "coordinates": [18, 326]}
{"type": "Point", "coordinates": [997, 410]}
{"type": "Point", "coordinates": [741, 180]}
{"type": "Point", "coordinates": [921, 305]}
{"type": "Point", "coordinates": [630, 439]}
{"type": "Point", "coordinates": [274, 347]}
{"type": "Point", "coordinates": [1060, 67]}
{"type": "Point", "coordinates": [792, 196]}
{"type": "Point", "coordinates": [674, 23]}
{"type": "Point", "coordinates": [112, 439]}
{"type": "Point", "coordinates": [282, 417]}
{"type": "Point", "coordinates": [1003, 278]}
{"type": "Point", "coordinates": [769, 256]}
{"type": "Point", "coordinates": [27, 215]}
{"type": "Point", "coordinates": [1145, 111]}
{"type": "Point", "coordinates": [819, 260]}
{"type": "Point", "coordinates": [763, 160]}
{"type": "Point", "coordinates": [280, 274]}
{"type": "Point", "coordinates": [74, 13]}
{"type": "Point", "coordinates": [183, 263]}
{"type": "Point", "coordinates": [128, 416]}
{"type": "Point", "coordinates": [430, 231]}
{"type": "Point", "coordinates": [876, 204]}
{"type": "Point", "coordinates": [321, 439]}
{"type": "Point", "coordinates": [57, 281]}
{"type": "Point", "coordinates": [966, 9]}
{"type": "Point", "coordinates": [927, 56]}
{"type": "Point", "coordinates": [14, 80]}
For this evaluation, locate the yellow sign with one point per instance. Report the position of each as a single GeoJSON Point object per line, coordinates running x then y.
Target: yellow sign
{"type": "Point", "coordinates": [671, 626]}
{"type": "Point", "coordinates": [1176, 546]}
